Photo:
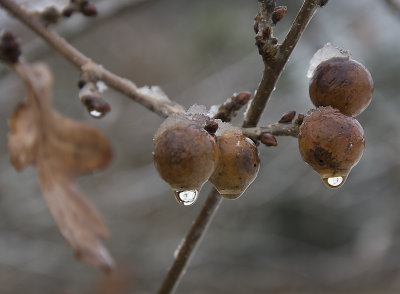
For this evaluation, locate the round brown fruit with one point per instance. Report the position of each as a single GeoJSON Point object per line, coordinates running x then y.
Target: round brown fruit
{"type": "Point", "coordinates": [185, 156]}
{"type": "Point", "coordinates": [331, 143]}
{"type": "Point", "coordinates": [238, 165]}
{"type": "Point", "coordinates": [342, 83]}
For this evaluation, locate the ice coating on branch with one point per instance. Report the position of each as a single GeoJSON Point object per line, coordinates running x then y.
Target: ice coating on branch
{"type": "Point", "coordinates": [327, 52]}
{"type": "Point", "coordinates": [223, 127]}
{"type": "Point", "coordinates": [213, 110]}
{"type": "Point", "coordinates": [154, 91]}
{"type": "Point", "coordinates": [101, 86]}
{"type": "Point", "coordinates": [194, 109]}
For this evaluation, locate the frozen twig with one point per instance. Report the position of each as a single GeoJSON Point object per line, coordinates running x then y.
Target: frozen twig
{"type": "Point", "coordinates": [271, 74]}
{"type": "Point", "coordinates": [160, 105]}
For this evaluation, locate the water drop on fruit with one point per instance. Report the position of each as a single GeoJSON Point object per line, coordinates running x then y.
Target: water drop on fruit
{"type": "Point", "coordinates": [334, 182]}
{"type": "Point", "coordinates": [331, 143]}
{"type": "Point", "coordinates": [186, 198]}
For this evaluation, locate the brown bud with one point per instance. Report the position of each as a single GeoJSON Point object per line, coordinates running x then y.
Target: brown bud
{"type": "Point", "coordinates": [95, 106]}
{"type": "Point", "coordinates": [88, 9]}
{"type": "Point", "coordinates": [68, 11]}
{"type": "Point", "coordinates": [331, 143]}
{"type": "Point", "coordinates": [267, 32]}
{"type": "Point", "coordinates": [241, 98]}
{"type": "Point", "coordinates": [288, 117]}
{"type": "Point", "coordinates": [268, 139]}
{"type": "Point", "coordinates": [50, 15]}
{"type": "Point", "coordinates": [9, 47]}
{"type": "Point", "coordinates": [300, 119]}
{"type": "Point", "coordinates": [274, 41]}
{"type": "Point", "coordinates": [81, 83]}
{"type": "Point", "coordinates": [211, 127]}
{"type": "Point", "coordinates": [238, 166]}
{"type": "Point", "coordinates": [278, 14]}
{"type": "Point", "coordinates": [255, 27]}
{"type": "Point", "coordinates": [323, 2]}
{"type": "Point", "coordinates": [342, 83]}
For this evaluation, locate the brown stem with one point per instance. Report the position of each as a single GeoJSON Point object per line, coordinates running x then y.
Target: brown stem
{"type": "Point", "coordinates": [161, 105]}
{"type": "Point", "coordinates": [270, 77]}
{"type": "Point", "coordinates": [278, 129]}
{"type": "Point", "coordinates": [191, 240]}
{"type": "Point", "coordinates": [275, 65]}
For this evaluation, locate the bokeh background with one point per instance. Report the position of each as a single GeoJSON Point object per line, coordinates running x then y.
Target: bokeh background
{"type": "Point", "coordinates": [288, 233]}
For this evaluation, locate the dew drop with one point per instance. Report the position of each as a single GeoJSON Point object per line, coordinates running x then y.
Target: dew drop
{"type": "Point", "coordinates": [186, 198]}
{"type": "Point", "coordinates": [334, 182]}
{"type": "Point", "coordinates": [96, 114]}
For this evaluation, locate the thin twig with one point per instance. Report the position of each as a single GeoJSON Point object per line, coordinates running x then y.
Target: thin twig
{"type": "Point", "coordinates": [278, 129]}
{"type": "Point", "coordinates": [275, 65]}
{"type": "Point", "coordinates": [270, 77]}
{"type": "Point", "coordinates": [161, 105]}
{"type": "Point", "coordinates": [192, 239]}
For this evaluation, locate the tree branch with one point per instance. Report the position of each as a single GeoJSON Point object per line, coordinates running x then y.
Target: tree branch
{"type": "Point", "coordinates": [271, 74]}
{"type": "Point", "coordinates": [191, 241]}
{"type": "Point", "coordinates": [275, 64]}
{"type": "Point", "coordinates": [159, 104]}
{"type": "Point", "coordinates": [278, 129]}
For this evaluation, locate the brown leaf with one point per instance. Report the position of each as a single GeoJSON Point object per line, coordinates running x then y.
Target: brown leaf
{"type": "Point", "coordinates": [60, 148]}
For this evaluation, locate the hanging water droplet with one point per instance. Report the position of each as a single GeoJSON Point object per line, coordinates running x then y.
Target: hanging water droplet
{"type": "Point", "coordinates": [96, 113]}
{"type": "Point", "coordinates": [334, 182]}
{"type": "Point", "coordinates": [186, 198]}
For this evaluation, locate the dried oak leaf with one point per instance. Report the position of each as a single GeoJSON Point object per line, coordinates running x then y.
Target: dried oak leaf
{"type": "Point", "coordinates": [61, 149]}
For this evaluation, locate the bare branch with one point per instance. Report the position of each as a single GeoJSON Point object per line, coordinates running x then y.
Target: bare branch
{"type": "Point", "coordinates": [191, 241]}
{"type": "Point", "coordinates": [278, 129]}
{"type": "Point", "coordinates": [161, 105]}
{"type": "Point", "coordinates": [275, 64]}
{"type": "Point", "coordinates": [271, 74]}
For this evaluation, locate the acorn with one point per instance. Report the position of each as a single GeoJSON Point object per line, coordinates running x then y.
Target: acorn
{"type": "Point", "coordinates": [185, 155]}
{"type": "Point", "coordinates": [342, 83]}
{"type": "Point", "coordinates": [238, 165]}
{"type": "Point", "coordinates": [331, 143]}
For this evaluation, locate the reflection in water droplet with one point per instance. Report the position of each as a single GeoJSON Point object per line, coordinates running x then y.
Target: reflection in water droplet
{"type": "Point", "coordinates": [186, 198]}
{"type": "Point", "coordinates": [96, 113]}
{"type": "Point", "coordinates": [334, 182]}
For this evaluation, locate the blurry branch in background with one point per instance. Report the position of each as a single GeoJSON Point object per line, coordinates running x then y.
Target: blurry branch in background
{"type": "Point", "coordinates": [152, 98]}
{"type": "Point", "coordinates": [394, 6]}
{"type": "Point", "coordinates": [275, 58]}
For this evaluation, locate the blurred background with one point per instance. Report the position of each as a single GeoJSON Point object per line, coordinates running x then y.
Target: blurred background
{"type": "Point", "coordinates": [288, 233]}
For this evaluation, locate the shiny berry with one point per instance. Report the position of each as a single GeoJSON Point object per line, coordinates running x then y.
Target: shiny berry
{"type": "Point", "coordinates": [185, 155]}
{"type": "Point", "coordinates": [331, 143]}
{"type": "Point", "coordinates": [342, 83]}
{"type": "Point", "coordinates": [238, 165]}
